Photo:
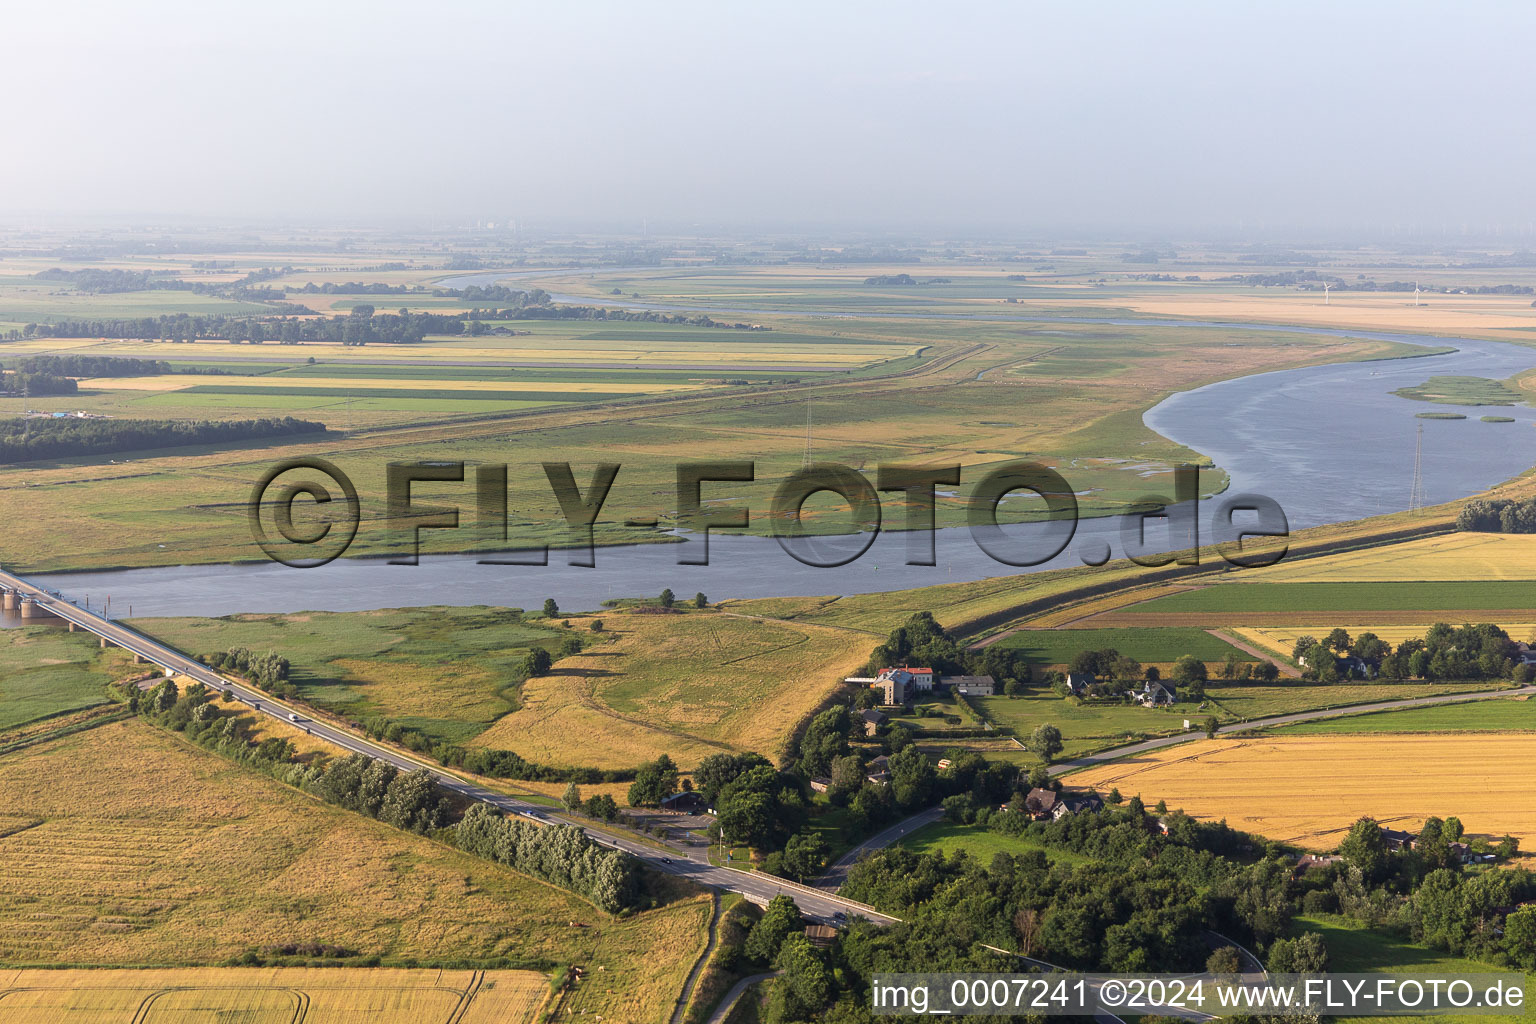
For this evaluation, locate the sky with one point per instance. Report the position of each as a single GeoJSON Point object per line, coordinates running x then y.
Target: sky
{"type": "Point", "coordinates": [1135, 117]}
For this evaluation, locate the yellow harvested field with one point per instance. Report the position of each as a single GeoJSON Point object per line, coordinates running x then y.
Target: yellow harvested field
{"type": "Point", "coordinates": [637, 352]}
{"type": "Point", "coordinates": [1456, 556]}
{"type": "Point", "coordinates": [179, 382]}
{"type": "Point", "coordinates": [1488, 315]}
{"type": "Point", "coordinates": [685, 685]}
{"type": "Point", "coordinates": [1282, 639]}
{"type": "Point", "coordinates": [271, 995]}
{"type": "Point", "coordinates": [1309, 789]}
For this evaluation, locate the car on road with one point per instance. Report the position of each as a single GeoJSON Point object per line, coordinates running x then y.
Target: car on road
{"type": "Point", "coordinates": [666, 860]}
{"type": "Point", "coordinates": [292, 717]}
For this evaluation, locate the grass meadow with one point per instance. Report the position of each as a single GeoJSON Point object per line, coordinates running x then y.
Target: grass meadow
{"type": "Point", "coordinates": [447, 671]}
{"type": "Point", "coordinates": [685, 685]}
{"type": "Point", "coordinates": [1159, 645]}
{"type": "Point", "coordinates": [47, 671]}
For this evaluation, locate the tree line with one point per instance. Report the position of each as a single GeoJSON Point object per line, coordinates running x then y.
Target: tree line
{"type": "Point", "coordinates": [93, 366]}
{"type": "Point", "coordinates": [559, 854]}
{"type": "Point", "coordinates": [1483, 651]}
{"type": "Point", "coordinates": [25, 439]}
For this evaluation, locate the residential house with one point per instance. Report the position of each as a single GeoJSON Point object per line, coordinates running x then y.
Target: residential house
{"type": "Point", "coordinates": [972, 686]}
{"type": "Point", "coordinates": [1525, 654]}
{"type": "Point", "coordinates": [879, 770]}
{"type": "Point", "coordinates": [872, 720]}
{"type": "Point", "coordinates": [1398, 839]}
{"type": "Point", "coordinates": [944, 764]}
{"type": "Point", "coordinates": [1156, 695]}
{"type": "Point", "coordinates": [1041, 803]}
{"type": "Point", "coordinates": [1078, 683]}
{"type": "Point", "coordinates": [1076, 803]}
{"type": "Point", "coordinates": [1307, 861]}
{"type": "Point", "coordinates": [820, 785]}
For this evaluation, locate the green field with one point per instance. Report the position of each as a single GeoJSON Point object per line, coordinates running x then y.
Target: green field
{"type": "Point", "coordinates": [946, 837]}
{"type": "Point", "coordinates": [1357, 948]}
{"type": "Point", "coordinates": [1474, 716]}
{"type": "Point", "coordinates": [1348, 597]}
{"type": "Point", "coordinates": [1150, 644]}
{"type": "Point", "coordinates": [46, 671]}
{"type": "Point", "coordinates": [449, 672]}
{"type": "Point", "coordinates": [428, 393]}
{"type": "Point", "coordinates": [1086, 726]}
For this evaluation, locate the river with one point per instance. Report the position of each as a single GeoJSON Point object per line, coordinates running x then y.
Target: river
{"type": "Point", "coordinates": [1330, 443]}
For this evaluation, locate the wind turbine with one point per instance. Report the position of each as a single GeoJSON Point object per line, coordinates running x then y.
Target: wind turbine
{"type": "Point", "coordinates": [1326, 286]}
{"type": "Point", "coordinates": [1415, 293]}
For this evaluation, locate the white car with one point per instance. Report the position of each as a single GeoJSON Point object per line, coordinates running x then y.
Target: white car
{"type": "Point", "coordinates": [293, 717]}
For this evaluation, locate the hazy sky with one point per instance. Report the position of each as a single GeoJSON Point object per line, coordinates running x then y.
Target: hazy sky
{"type": "Point", "coordinates": [891, 115]}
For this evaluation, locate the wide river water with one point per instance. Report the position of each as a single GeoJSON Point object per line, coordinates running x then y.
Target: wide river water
{"type": "Point", "coordinates": [1329, 443]}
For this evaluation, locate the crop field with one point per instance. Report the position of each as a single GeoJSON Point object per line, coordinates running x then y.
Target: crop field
{"type": "Point", "coordinates": [273, 995]}
{"type": "Point", "coordinates": [1513, 715]}
{"type": "Point", "coordinates": [1342, 604]}
{"type": "Point", "coordinates": [1249, 701]}
{"type": "Point", "coordinates": [1308, 790]}
{"type": "Point", "coordinates": [1459, 557]}
{"type": "Point", "coordinates": [1154, 645]}
{"type": "Point", "coordinates": [449, 672]}
{"type": "Point", "coordinates": [686, 685]}
{"type": "Point", "coordinates": [45, 670]}
{"type": "Point", "coordinates": [131, 846]}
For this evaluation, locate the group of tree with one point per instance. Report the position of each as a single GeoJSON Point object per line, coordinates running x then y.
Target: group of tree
{"type": "Point", "coordinates": [601, 806]}
{"type": "Point", "coordinates": [559, 854]}
{"type": "Point", "coordinates": [18, 382]}
{"type": "Point", "coordinates": [1483, 651]}
{"type": "Point", "coordinates": [268, 670]}
{"type": "Point", "coordinates": [488, 761]}
{"type": "Point", "coordinates": [25, 439]}
{"type": "Point", "coordinates": [1498, 515]}
{"type": "Point", "coordinates": [93, 366]}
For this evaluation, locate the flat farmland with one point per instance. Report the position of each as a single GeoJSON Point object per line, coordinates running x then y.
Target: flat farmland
{"type": "Point", "coordinates": [1087, 726]}
{"type": "Point", "coordinates": [1513, 715]}
{"type": "Point", "coordinates": [1308, 790]}
{"type": "Point", "coordinates": [280, 995]}
{"type": "Point", "coordinates": [1159, 645]}
{"type": "Point", "coordinates": [1472, 557]}
{"type": "Point", "coordinates": [1406, 602]}
{"type": "Point", "coordinates": [685, 685]}
{"type": "Point", "coordinates": [128, 846]}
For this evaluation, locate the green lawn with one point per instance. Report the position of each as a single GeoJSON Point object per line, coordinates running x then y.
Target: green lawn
{"type": "Point", "coordinates": [1253, 701]}
{"type": "Point", "coordinates": [1155, 644]}
{"type": "Point", "coordinates": [1475, 716]}
{"type": "Point", "coordinates": [46, 671]}
{"type": "Point", "coordinates": [1355, 948]}
{"type": "Point", "coordinates": [449, 672]}
{"type": "Point", "coordinates": [1347, 597]}
{"type": "Point", "coordinates": [1086, 726]}
{"type": "Point", "coordinates": [946, 837]}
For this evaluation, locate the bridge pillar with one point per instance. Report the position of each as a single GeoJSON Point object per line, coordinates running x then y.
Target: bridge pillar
{"type": "Point", "coordinates": [73, 627]}
{"type": "Point", "coordinates": [138, 659]}
{"type": "Point", "coordinates": [11, 600]}
{"type": "Point", "coordinates": [103, 641]}
{"type": "Point", "coordinates": [30, 609]}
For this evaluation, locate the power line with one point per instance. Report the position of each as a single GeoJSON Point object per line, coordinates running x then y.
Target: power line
{"type": "Point", "coordinates": [1416, 495]}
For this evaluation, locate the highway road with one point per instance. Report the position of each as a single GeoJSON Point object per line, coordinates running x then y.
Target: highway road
{"type": "Point", "coordinates": [688, 862]}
